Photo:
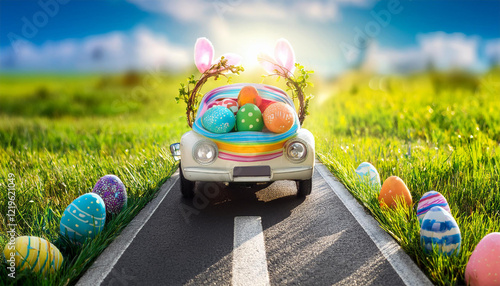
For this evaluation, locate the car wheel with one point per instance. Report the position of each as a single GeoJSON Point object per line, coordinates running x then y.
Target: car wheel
{"type": "Point", "coordinates": [304, 188]}
{"type": "Point", "coordinates": [187, 187]}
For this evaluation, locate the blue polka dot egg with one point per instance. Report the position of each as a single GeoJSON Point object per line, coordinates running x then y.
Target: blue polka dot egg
{"type": "Point", "coordinates": [218, 119]}
{"type": "Point", "coordinates": [83, 218]}
{"type": "Point", "coordinates": [112, 191]}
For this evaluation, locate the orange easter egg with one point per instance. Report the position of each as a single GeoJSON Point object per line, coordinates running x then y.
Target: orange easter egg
{"type": "Point", "coordinates": [392, 188]}
{"type": "Point", "coordinates": [249, 94]}
{"type": "Point", "coordinates": [278, 117]}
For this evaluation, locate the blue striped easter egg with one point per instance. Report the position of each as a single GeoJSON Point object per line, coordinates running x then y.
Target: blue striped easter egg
{"type": "Point", "coordinates": [368, 173]}
{"type": "Point", "coordinates": [440, 228]}
{"type": "Point", "coordinates": [83, 218]}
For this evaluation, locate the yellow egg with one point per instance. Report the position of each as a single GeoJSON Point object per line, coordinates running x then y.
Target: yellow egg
{"type": "Point", "coordinates": [35, 253]}
{"type": "Point", "coordinates": [392, 188]}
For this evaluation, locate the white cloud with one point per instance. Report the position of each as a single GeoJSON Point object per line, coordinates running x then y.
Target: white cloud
{"type": "Point", "coordinates": [444, 51]}
{"type": "Point", "coordinates": [113, 51]}
{"type": "Point", "coordinates": [450, 50]}
{"type": "Point", "coordinates": [200, 11]}
{"type": "Point", "coordinates": [492, 51]}
{"type": "Point", "coordinates": [190, 11]}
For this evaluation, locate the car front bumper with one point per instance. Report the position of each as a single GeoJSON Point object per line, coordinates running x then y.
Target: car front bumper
{"type": "Point", "coordinates": [224, 170]}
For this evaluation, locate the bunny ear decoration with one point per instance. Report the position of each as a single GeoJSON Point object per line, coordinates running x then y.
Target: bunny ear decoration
{"type": "Point", "coordinates": [284, 55]}
{"type": "Point", "coordinates": [232, 59]}
{"type": "Point", "coordinates": [283, 62]}
{"type": "Point", "coordinates": [203, 54]}
{"type": "Point", "coordinates": [268, 63]}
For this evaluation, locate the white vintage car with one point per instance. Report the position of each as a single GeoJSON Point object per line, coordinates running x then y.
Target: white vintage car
{"type": "Point", "coordinates": [245, 156]}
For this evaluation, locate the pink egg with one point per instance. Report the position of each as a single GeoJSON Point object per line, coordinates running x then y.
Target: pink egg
{"type": "Point", "coordinates": [428, 201]}
{"type": "Point", "coordinates": [483, 268]}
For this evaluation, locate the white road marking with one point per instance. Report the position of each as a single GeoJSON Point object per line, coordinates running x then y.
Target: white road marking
{"type": "Point", "coordinates": [249, 252]}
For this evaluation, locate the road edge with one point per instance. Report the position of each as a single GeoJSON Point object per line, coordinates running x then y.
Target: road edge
{"type": "Point", "coordinates": [103, 265]}
{"type": "Point", "coordinates": [404, 266]}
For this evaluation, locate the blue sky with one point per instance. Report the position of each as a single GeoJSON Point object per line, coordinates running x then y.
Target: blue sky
{"type": "Point", "coordinates": [148, 34]}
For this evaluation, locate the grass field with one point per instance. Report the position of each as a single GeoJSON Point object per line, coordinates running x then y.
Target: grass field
{"type": "Point", "coordinates": [59, 134]}
{"type": "Point", "coordinates": [436, 132]}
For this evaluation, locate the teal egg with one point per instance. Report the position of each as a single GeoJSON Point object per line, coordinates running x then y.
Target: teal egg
{"type": "Point", "coordinates": [83, 218]}
{"type": "Point", "coordinates": [218, 119]}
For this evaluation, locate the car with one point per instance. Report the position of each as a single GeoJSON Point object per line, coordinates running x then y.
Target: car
{"type": "Point", "coordinates": [245, 156]}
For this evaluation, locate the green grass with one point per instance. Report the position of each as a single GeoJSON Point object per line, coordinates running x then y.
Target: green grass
{"type": "Point", "coordinates": [435, 136]}
{"type": "Point", "coordinates": [60, 133]}
{"type": "Point", "coordinates": [58, 152]}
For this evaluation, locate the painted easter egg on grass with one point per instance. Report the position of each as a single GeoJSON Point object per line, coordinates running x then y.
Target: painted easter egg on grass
{"type": "Point", "coordinates": [279, 117]}
{"type": "Point", "coordinates": [483, 267]}
{"type": "Point", "coordinates": [440, 228]}
{"type": "Point", "coordinates": [83, 218]}
{"type": "Point", "coordinates": [218, 119]}
{"type": "Point", "coordinates": [429, 200]}
{"type": "Point", "coordinates": [35, 253]}
{"type": "Point", "coordinates": [249, 94]}
{"type": "Point", "coordinates": [112, 191]}
{"type": "Point", "coordinates": [249, 118]}
{"type": "Point", "coordinates": [393, 188]}
{"type": "Point", "coordinates": [368, 173]}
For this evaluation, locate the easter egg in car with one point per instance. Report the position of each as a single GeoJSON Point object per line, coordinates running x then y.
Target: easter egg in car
{"type": "Point", "coordinates": [218, 119]}
{"type": "Point", "coordinates": [440, 229]}
{"type": "Point", "coordinates": [249, 118]}
{"type": "Point", "coordinates": [228, 103]}
{"type": "Point", "coordinates": [483, 267]}
{"type": "Point", "coordinates": [279, 117]}
{"type": "Point", "coordinates": [249, 94]}
{"type": "Point", "coordinates": [83, 218]}
{"type": "Point", "coordinates": [392, 189]}
{"type": "Point", "coordinates": [112, 191]}
{"type": "Point", "coordinates": [35, 253]}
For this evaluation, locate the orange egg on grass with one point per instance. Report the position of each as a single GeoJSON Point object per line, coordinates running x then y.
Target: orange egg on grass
{"type": "Point", "coordinates": [394, 189]}
{"type": "Point", "coordinates": [278, 117]}
{"type": "Point", "coordinates": [249, 94]}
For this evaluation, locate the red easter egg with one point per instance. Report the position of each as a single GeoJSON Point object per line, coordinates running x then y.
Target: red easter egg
{"type": "Point", "coordinates": [278, 117]}
{"type": "Point", "coordinates": [229, 103]}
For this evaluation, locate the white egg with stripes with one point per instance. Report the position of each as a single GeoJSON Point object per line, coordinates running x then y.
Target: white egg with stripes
{"type": "Point", "coordinates": [367, 173]}
{"type": "Point", "coordinates": [83, 218]}
{"type": "Point", "coordinates": [439, 229]}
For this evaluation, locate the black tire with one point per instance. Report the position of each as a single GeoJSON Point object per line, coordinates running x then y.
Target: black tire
{"type": "Point", "coordinates": [187, 187]}
{"type": "Point", "coordinates": [304, 188]}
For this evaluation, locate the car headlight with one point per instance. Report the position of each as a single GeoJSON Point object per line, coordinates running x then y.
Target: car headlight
{"type": "Point", "coordinates": [295, 151]}
{"type": "Point", "coordinates": [205, 152]}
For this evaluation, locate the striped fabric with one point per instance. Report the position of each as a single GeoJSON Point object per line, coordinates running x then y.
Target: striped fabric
{"type": "Point", "coordinates": [247, 146]}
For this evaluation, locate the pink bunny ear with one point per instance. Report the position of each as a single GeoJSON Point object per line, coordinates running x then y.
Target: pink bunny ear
{"type": "Point", "coordinates": [203, 54]}
{"type": "Point", "coordinates": [232, 59]}
{"type": "Point", "coordinates": [268, 63]}
{"type": "Point", "coordinates": [284, 55]}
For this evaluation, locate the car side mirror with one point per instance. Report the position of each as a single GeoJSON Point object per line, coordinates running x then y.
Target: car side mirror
{"type": "Point", "coordinates": [175, 149]}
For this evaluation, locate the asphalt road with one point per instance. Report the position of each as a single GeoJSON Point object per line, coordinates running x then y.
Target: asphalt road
{"type": "Point", "coordinates": [315, 241]}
